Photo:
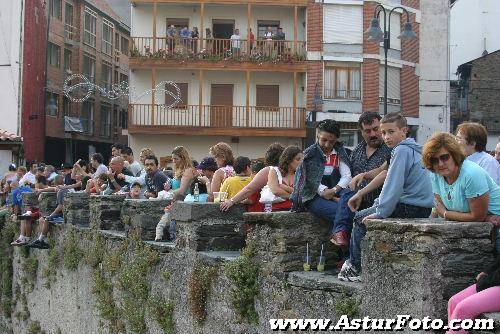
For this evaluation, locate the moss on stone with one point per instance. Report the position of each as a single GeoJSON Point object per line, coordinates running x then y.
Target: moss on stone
{"type": "Point", "coordinates": [106, 305]}
{"type": "Point", "coordinates": [244, 274]}
{"type": "Point", "coordinates": [347, 305]}
{"type": "Point", "coordinates": [72, 252]}
{"type": "Point", "coordinates": [134, 315]}
{"type": "Point", "coordinates": [166, 275]}
{"type": "Point", "coordinates": [50, 270]}
{"type": "Point", "coordinates": [199, 286]}
{"type": "Point", "coordinates": [34, 328]}
{"type": "Point", "coordinates": [95, 253]}
{"type": "Point", "coordinates": [7, 235]}
{"type": "Point", "coordinates": [162, 312]}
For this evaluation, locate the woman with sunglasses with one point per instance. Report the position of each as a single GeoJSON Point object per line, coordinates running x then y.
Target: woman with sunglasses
{"type": "Point", "coordinates": [465, 192]}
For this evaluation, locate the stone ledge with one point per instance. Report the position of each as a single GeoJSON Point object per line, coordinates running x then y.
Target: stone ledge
{"type": "Point", "coordinates": [194, 211]}
{"type": "Point", "coordinates": [162, 247]}
{"type": "Point", "coordinates": [447, 229]}
{"type": "Point", "coordinates": [221, 256]}
{"type": "Point", "coordinates": [278, 219]}
{"type": "Point", "coordinates": [326, 281]}
{"type": "Point", "coordinates": [143, 215]}
{"type": "Point", "coordinates": [114, 235]}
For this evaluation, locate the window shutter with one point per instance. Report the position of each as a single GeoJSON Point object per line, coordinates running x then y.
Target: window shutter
{"type": "Point", "coordinates": [343, 24]}
{"type": "Point", "coordinates": [393, 83]}
{"type": "Point", "coordinates": [169, 100]}
{"type": "Point", "coordinates": [268, 96]}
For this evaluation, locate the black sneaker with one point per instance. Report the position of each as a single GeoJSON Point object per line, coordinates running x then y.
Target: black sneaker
{"type": "Point", "coordinates": [41, 244]}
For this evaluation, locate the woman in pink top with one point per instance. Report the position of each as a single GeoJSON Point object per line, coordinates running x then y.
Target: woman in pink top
{"type": "Point", "coordinates": [272, 157]}
{"type": "Point", "coordinates": [223, 155]}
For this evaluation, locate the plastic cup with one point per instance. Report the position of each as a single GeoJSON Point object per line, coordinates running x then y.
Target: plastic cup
{"type": "Point", "coordinates": [321, 264]}
{"type": "Point", "coordinates": [220, 197]}
{"type": "Point", "coordinates": [307, 263]}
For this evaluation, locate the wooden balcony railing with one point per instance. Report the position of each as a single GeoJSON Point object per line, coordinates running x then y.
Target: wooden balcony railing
{"type": "Point", "coordinates": [218, 49]}
{"type": "Point", "coordinates": [237, 117]}
{"type": "Point", "coordinates": [69, 31]}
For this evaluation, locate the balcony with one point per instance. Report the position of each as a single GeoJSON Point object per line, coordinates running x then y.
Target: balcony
{"type": "Point", "coordinates": [217, 120]}
{"type": "Point", "coordinates": [228, 2]}
{"type": "Point", "coordinates": [163, 52]}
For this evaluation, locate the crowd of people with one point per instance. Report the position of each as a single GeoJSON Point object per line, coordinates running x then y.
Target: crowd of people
{"type": "Point", "coordinates": [187, 40]}
{"type": "Point", "coordinates": [387, 175]}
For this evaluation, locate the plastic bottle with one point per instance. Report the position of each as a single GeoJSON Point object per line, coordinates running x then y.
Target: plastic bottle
{"type": "Point", "coordinates": [196, 193]}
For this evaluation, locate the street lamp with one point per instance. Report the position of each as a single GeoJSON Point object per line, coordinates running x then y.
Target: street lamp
{"type": "Point", "coordinates": [375, 34]}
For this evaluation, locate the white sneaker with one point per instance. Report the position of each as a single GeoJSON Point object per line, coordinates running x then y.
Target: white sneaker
{"type": "Point", "coordinates": [348, 273]}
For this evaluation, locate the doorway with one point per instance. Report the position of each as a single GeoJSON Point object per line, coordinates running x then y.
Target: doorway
{"type": "Point", "coordinates": [222, 28]}
{"type": "Point", "coordinates": [221, 106]}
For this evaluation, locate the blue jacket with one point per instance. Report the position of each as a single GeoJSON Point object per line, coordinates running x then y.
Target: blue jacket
{"type": "Point", "coordinates": [310, 173]}
{"type": "Point", "coordinates": [407, 181]}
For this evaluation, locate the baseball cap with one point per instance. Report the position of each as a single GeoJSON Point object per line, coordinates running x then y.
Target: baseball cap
{"type": "Point", "coordinates": [208, 163]}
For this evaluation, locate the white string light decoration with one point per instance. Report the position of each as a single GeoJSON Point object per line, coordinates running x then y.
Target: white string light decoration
{"type": "Point", "coordinates": [119, 90]}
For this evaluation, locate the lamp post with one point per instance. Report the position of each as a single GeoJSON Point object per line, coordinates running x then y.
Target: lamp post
{"type": "Point", "coordinates": [375, 34]}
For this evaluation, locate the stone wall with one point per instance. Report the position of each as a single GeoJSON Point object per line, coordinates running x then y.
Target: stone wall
{"type": "Point", "coordinates": [228, 272]}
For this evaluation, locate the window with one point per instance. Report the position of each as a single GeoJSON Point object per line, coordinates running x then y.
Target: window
{"type": "Point", "coordinates": [66, 106]}
{"type": "Point", "coordinates": [268, 97]}
{"type": "Point", "coordinates": [343, 24]}
{"type": "Point", "coordinates": [55, 9]}
{"type": "Point", "coordinates": [54, 55]}
{"type": "Point", "coordinates": [68, 56]}
{"type": "Point", "coordinates": [393, 85]}
{"type": "Point", "coordinates": [106, 73]}
{"type": "Point", "coordinates": [87, 118]}
{"type": "Point", "coordinates": [169, 100]}
{"type": "Point", "coordinates": [51, 99]}
{"type": "Point", "coordinates": [107, 37]}
{"type": "Point", "coordinates": [69, 29]}
{"type": "Point", "coordinates": [90, 23]}
{"type": "Point", "coordinates": [117, 41]}
{"type": "Point", "coordinates": [348, 137]}
{"type": "Point", "coordinates": [116, 77]}
{"type": "Point", "coordinates": [124, 46]}
{"type": "Point", "coordinates": [124, 118]}
{"type": "Point", "coordinates": [89, 67]}
{"type": "Point", "coordinates": [342, 83]}
{"type": "Point", "coordinates": [124, 79]}
{"type": "Point", "coordinates": [105, 120]}
{"type": "Point", "coordinates": [395, 30]}
{"type": "Point", "coordinates": [262, 27]}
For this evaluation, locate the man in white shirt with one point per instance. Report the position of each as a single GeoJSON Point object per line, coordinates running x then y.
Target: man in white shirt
{"type": "Point", "coordinates": [133, 165]}
{"type": "Point", "coordinates": [474, 136]}
{"type": "Point", "coordinates": [97, 163]}
{"type": "Point", "coordinates": [29, 177]}
{"type": "Point", "coordinates": [236, 44]}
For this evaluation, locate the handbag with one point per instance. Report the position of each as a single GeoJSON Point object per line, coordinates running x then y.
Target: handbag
{"type": "Point", "coordinates": [267, 196]}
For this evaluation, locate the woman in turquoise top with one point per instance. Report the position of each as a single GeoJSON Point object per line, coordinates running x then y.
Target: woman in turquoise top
{"type": "Point", "coordinates": [184, 173]}
{"type": "Point", "coordinates": [464, 191]}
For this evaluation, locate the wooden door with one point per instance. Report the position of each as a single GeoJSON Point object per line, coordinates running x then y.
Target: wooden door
{"type": "Point", "coordinates": [221, 106]}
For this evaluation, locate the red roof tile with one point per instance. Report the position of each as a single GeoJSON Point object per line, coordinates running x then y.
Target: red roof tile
{"type": "Point", "coordinates": [7, 136]}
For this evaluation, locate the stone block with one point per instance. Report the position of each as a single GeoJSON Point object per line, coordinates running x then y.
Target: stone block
{"type": "Point", "coordinates": [77, 209]}
{"type": "Point", "coordinates": [414, 266]}
{"type": "Point", "coordinates": [280, 239]}
{"type": "Point", "coordinates": [105, 212]}
{"type": "Point", "coordinates": [202, 226]}
{"type": "Point", "coordinates": [29, 200]}
{"type": "Point", "coordinates": [47, 203]}
{"type": "Point", "coordinates": [143, 215]}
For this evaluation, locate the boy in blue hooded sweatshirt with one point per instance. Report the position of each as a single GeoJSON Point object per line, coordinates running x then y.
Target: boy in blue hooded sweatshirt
{"type": "Point", "coordinates": [407, 190]}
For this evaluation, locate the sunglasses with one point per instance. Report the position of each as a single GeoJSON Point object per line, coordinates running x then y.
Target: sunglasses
{"type": "Point", "coordinates": [443, 158]}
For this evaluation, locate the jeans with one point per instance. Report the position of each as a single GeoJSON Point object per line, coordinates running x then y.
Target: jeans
{"type": "Point", "coordinates": [325, 209]}
{"type": "Point", "coordinates": [359, 228]}
{"type": "Point", "coordinates": [344, 216]}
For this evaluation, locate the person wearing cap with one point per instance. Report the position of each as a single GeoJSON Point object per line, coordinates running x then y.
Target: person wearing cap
{"type": "Point", "coordinates": [11, 175]}
{"type": "Point", "coordinates": [206, 169]}
{"type": "Point", "coordinates": [29, 177]}
{"type": "Point", "coordinates": [135, 191]}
